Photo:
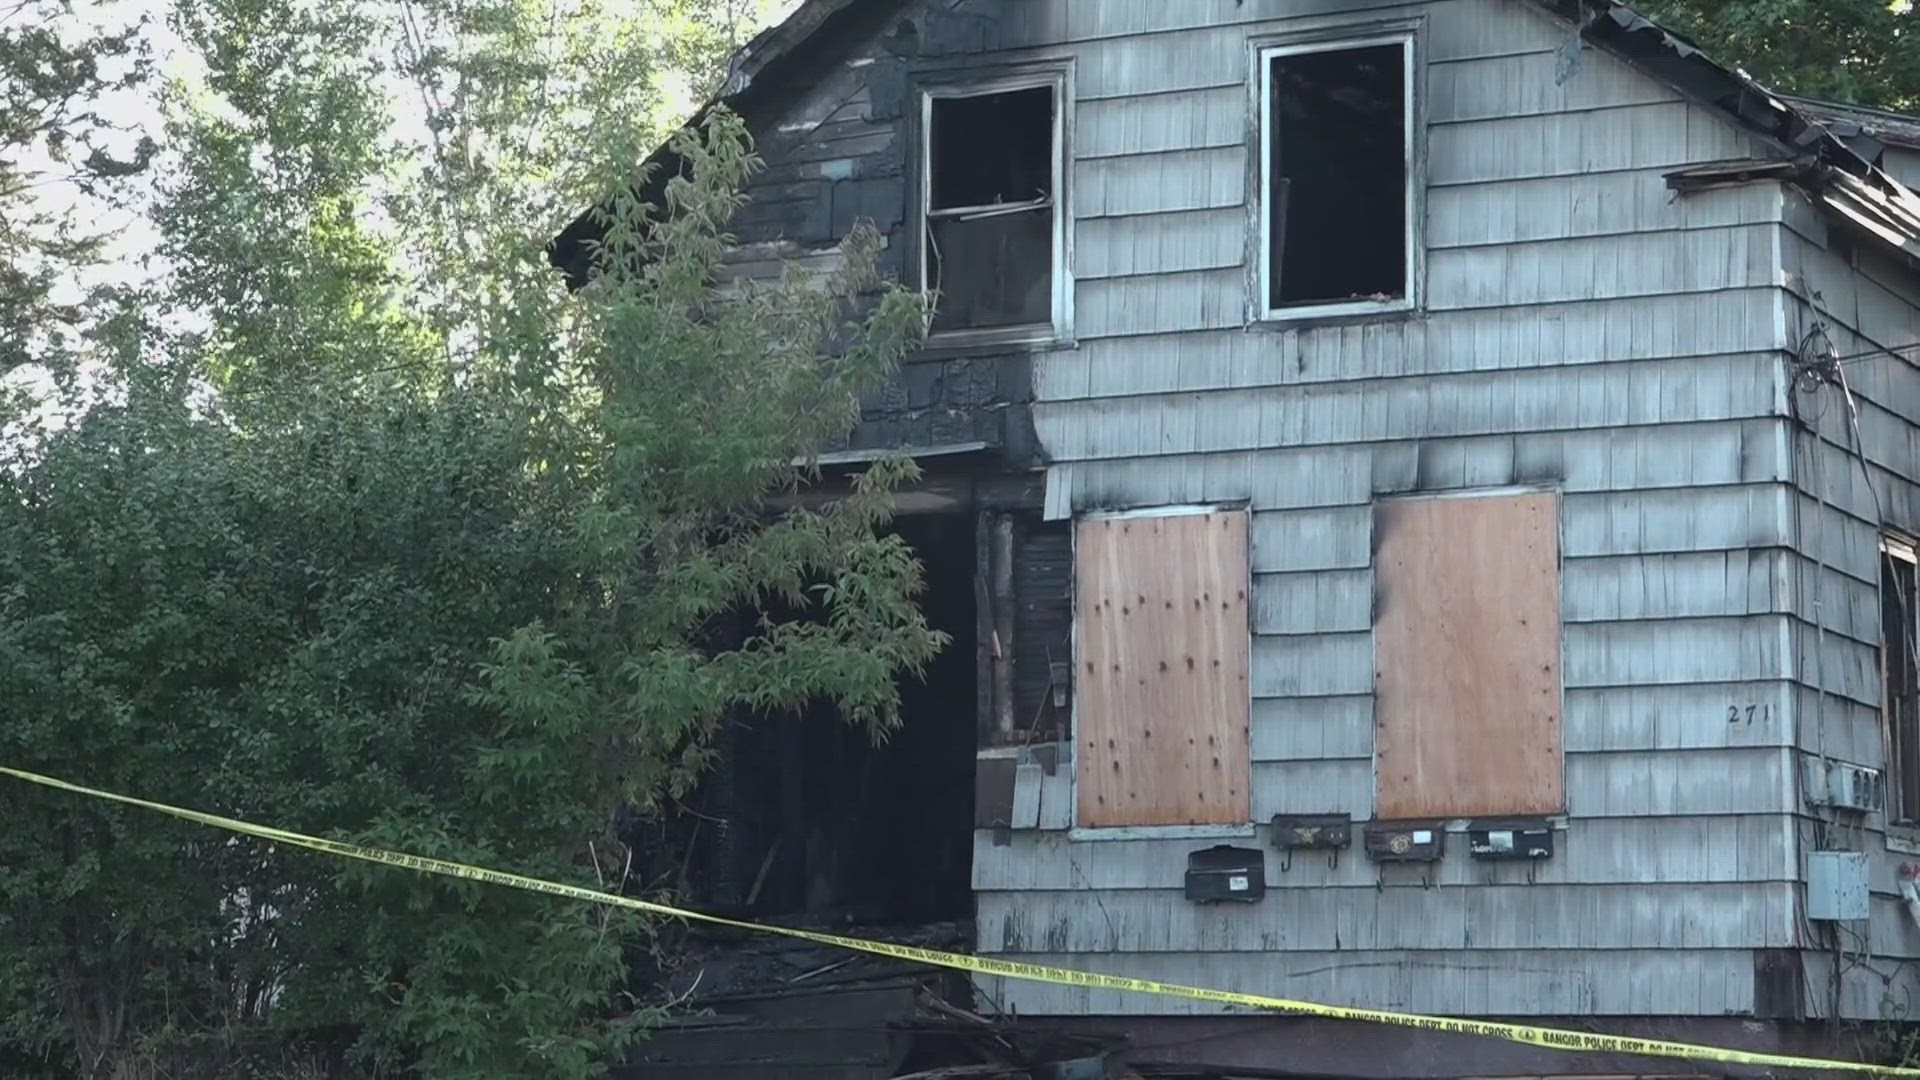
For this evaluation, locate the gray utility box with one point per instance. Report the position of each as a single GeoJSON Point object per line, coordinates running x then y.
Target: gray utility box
{"type": "Point", "coordinates": [1836, 886]}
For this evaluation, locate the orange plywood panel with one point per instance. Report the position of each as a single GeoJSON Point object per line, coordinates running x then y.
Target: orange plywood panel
{"type": "Point", "coordinates": [1163, 643]}
{"type": "Point", "coordinates": [1467, 657]}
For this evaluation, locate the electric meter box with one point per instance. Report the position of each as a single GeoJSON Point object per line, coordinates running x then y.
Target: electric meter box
{"type": "Point", "coordinates": [1836, 886]}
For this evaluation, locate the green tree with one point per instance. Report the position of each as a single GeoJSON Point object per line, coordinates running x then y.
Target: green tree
{"type": "Point", "coordinates": [265, 217]}
{"type": "Point", "coordinates": [58, 148]}
{"type": "Point", "coordinates": [468, 622]}
{"type": "Point", "coordinates": [391, 170]}
{"type": "Point", "coordinates": [401, 542]}
{"type": "Point", "coordinates": [1859, 51]}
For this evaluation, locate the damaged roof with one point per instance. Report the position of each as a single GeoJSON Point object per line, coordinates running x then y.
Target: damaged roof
{"type": "Point", "coordinates": [1878, 125]}
{"type": "Point", "coordinates": [1836, 162]}
{"type": "Point", "coordinates": [752, 67]}
{"type": "Point", "coordinates": [1835, 149]}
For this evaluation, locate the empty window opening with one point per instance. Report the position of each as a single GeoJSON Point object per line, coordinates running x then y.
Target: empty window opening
{"type": "Point", "coordinates": [1337, 174]}
{"type": "Point", "coordinates": [807, 817]}
{"type": "Point", "coordinates": [1900, 671]}
{"type": "Point", "coordinates": [992, 181]}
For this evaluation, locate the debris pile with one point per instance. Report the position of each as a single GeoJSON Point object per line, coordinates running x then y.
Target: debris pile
{"type": "Point", "coordinates": [754, 1007]}
{"type": "Point", "coordinates": [745, 1006]}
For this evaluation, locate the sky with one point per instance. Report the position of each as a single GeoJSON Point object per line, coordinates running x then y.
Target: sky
{"type": "Point", "coordinates": [135, 111]}
{"type": "Point", "coordinates": [132, 242]}
{"type": "Point", "coordinates": [133, 238]}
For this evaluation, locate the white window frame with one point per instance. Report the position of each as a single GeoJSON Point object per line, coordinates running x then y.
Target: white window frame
{"type": "Point", "coordinates": [1059, 328]}
{"type": "Point", "coordinates": [1262, 82]}
{"type": "Point", "coordinates": [1898, 816]}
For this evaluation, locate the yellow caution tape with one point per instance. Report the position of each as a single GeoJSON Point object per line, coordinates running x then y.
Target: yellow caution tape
{"type": "Point", "coordinates": [1551, 1038]}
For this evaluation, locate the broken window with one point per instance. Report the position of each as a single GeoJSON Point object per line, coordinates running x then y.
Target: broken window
{"type": "Point", "coordinates": [1466, 639]}
{"type": "Point", "coordinates": [1163, 642]}
{"type": "Point", "coordinates": [1900, 672]}
{"type": "Point", "coordinates": [1338, 175]}
{"type": "Point", "coordinates": [992, 209]}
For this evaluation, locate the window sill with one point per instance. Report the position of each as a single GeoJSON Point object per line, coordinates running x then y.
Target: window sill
{"type": "Point", "coordinates": [1903, 839]}
{"type": "Point", "coordinates": [954, 344]}
{"type": "Point", "coordinates": [1309, 316]}
{"type": "Point", "coordinates": [1162, 832]}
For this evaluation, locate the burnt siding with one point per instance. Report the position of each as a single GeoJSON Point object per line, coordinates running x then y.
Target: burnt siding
{"type": "Point", "coordinates": [838, 151]}
{"type": "Point", "coordinates": [1043, 624]}
{"type": "Point", "coordinates": [1582, 327]}
{"type": "Point", "coordinates": [934, 402]}
{"type": "Point", "coordinates": [1647, 395]}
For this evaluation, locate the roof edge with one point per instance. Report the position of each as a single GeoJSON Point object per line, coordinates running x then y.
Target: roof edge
{"type": "Point", "coordinates": [751, 66]}
{"type": "Point", "coordinates": [1833, 139]}
{"type": "Point", "coordinates": [1882, 125]}
{"type": "Point", "coordinates": [1843, 170]}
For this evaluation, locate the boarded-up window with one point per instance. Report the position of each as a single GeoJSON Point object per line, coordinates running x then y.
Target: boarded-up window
{"type": "Point", "coordinates": [1467, 657]}
{"type": "Point", "coordinates": [1162, 640]}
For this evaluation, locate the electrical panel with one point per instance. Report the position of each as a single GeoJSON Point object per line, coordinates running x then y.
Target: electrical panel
{"type": "Point", "coordinates": [1317, 832]}
{"type": "Point", "coordinates": [1405, 841]}
{"type": "Point", "coordinates": [1529, 838]}
{"type": "Point", "coordinates": [1226, 873]}
{"type": "Point", "coordinates": [1842, 786]}
{"type": "Point", "coordinates": [1836, 885]}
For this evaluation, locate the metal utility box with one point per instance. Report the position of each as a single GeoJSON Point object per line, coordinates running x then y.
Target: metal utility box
{"type": "Point", "coordinates": [1843, 786]}
{"type": "Point", "coordinates": [1529, 838]}
{"type": "Point", "coordinates": [1836, 885]}
{"type": "Point", "coordinates": [1852, 787]}
{"type": "Point", "coordinates": [1405, 841]}
{"type": "Point", "coordinates": [1225, 873]}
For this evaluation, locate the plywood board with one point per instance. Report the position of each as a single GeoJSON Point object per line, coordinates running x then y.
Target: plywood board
{"type": "Point", "coordinates": [1467, 657]}
{"type": "Point", "coordinates": [1163, 644]}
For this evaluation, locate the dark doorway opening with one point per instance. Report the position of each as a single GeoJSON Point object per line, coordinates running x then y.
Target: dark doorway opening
{"type": "Point", "coordinates": [814, 820]}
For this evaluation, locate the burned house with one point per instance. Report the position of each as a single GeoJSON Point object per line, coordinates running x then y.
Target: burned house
{"type": "Point", "coordinates": [1425, 494]}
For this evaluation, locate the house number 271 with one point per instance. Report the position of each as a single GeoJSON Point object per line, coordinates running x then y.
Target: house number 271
{"type": "Point", "coordinates": [1763, 713]}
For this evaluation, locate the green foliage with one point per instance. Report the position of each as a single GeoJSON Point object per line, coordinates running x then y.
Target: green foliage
{"type": "Point", "coordinates": [265, 218]}
{"type": "Point", "coordinates": [1859, 51]}
{"type": "Point", "coordinates": [281, 624]}
{"type": "Point", "coordinates": [511, 106]}
{"type": "Point", "coordinates": [400, 542]}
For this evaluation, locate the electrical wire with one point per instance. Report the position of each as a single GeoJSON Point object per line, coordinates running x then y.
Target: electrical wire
{"type": "Point", "coordinates": [1826, 365]}
{"type": "Point", "coordinates": [1807, 380]}
{"type": "Point", "coordinates": [1858, 447]}
{"type": "Point", "coordinates": [1903, 599]}
{"type": "Point", "coordinates": [1811, 370]}
{"type": "Point", "coordinates": [1819, 363]}
{"type": "Point", "coordinates": [1830, 369]}
{"type": "Point", "coordinates": [1897, 352]}
{"type": "Point", "coordinates": [1814, 300]}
